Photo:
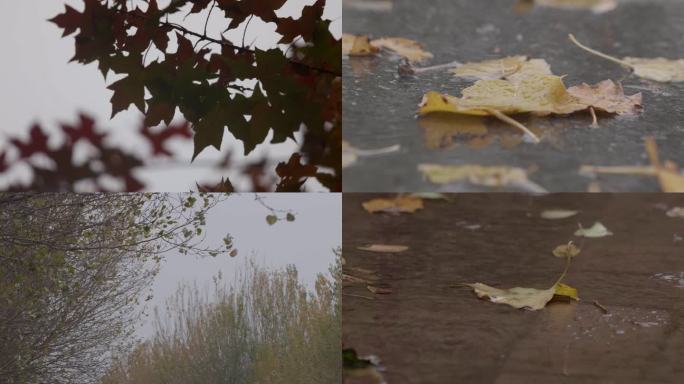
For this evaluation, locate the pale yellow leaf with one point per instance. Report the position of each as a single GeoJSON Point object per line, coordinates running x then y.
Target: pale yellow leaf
{"type": "Point", "coordinates": [566, 290]}
{"type": "Point", "coordinates": [555, 214]}
{"type": "Point", "coordinates": [489, 176]}
{"type": "Point", "coordinates": [657, 69]}
{"type": "Point", "coordinates": [410, 49]}
{"type": "Point", "coordinates": [596, 230]}
{"type": "Point", "coordinates": [513, 68]}
{"type": "Point", "coordinates": [400, 204]}
{"type": "Point", "coordinates": [384, 248]}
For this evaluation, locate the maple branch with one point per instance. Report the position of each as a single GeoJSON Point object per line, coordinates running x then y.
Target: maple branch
{"type": "Point", "coordinates": [226, 43]}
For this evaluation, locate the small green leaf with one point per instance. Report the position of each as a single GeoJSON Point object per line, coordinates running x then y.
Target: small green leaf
{"type": "Point", "coordinates": [271, 219]}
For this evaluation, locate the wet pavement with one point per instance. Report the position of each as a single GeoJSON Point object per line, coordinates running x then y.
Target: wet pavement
{"type": "Point", "coordinates": [431, 330]}
{"type": "Point", "coordinates": [379, 106]}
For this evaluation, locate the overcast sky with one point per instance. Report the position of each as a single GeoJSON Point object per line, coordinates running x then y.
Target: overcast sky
{"type": "Point", "coordinates": [39, 85]}
{"type": "Point", "coordinates": [308, 242]}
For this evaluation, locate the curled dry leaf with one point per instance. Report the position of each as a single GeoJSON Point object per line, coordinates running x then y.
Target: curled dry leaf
{"type": "Point", "coordinates": [675, 212]}
{"type": "Point", "coordinates": [513, 68]}
{"type": "Point", "coordinates": [607, 96]}
{"type": "Point", "coordinates": [489, 176]}
{"type": "Point", "coordinates": [384, 248]}
{"type": "Point", "coordinates": [555, 214]}
{"type": "Point", "coordinates": [566, 250]}
{"type": "Point", "coordinates": [357, 45]}
{"type": "Point", "coordinates": [400, 204]}
{"type": "Point", "coordinates": [657, 69]}
{"type": "Point", "coordinates": [412, 50]}
{"type": "Point", "coordinates": [595, 231]}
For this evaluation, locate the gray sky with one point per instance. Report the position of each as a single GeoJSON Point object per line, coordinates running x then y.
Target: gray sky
{"type": "Point", "coordinates": [307, 242]}
{"type": "Point", "coordinates": [39, 85]}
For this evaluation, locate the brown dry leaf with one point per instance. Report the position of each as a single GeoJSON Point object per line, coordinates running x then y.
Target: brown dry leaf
{"type": "Point", "coordinates": [496, 176]}
{"type": "Point", "coordinates": [357, 45]}
{"type": "Point", "coordinates": [400, 204]}
{"type": "Point", "coordinates": [596, 6]}
{"type": "Point", "coordinates": [384, 248]}
{"type": "Point", "coordinates": [379, 290]}
{"type": "Point", "coordinates": [538, 94]}
{"type": "Point", "coordinates": [514, 68]}
{"type": "Point", "coordinates": [657, 69]}
{"type": "Point", "coordinates": [410, 49]}
{"type": "Point", "coordinates": [607, 96]}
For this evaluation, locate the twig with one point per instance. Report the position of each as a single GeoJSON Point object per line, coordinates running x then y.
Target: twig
{"type": "Point", "coordinates": [600, 54]}
{"type": "Point", "coordinates": [506, 119]}
{"type": "Point", "coordinates": [604, 309]}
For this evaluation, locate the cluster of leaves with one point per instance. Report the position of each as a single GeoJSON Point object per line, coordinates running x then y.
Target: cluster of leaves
{"type": "Point", "coordinates": [106, 167]}
{"type": "Point", "coordinates": [296, 86]}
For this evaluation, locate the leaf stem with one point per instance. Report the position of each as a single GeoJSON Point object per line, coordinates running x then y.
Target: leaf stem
{"type": "Point", "coordinates": [599, 54]}
{"type": "Point", "coordinates": [507, 119]}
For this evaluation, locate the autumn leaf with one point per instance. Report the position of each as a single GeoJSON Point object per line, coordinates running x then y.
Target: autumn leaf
{"type": "Point", "coordinates": [513, 68]}
{"type": "Point", "coordinates": [531, 298]}
{"type": "Point", "coordinates": [400, 204]}
{"type": "Point", "coordinates": [675, 212]}
{"type": "Point", "coordinates": [607, 96]}
{"type": "Point", "coordinates": [596, 6]}
{"type": "Point", "coordinates": [357, 45]}
{"type": "Point", "coordinates": [384, 248]}
{"type": "Point", "coordinates": [410, 49]}
{"type": "Point", "coordinates": [539, 94]}
{"type": "Point", "coordinates": [488, 176]}
{"type": "Point", "coordinates": [657, 69]}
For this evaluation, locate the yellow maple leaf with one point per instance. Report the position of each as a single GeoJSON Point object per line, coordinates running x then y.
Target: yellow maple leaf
{"type": "Point", "coordinates": [357, 45]}
{"type": "Point", "coordinates": [512, 68]}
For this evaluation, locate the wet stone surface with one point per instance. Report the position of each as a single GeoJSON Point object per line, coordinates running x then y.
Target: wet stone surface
{"type": "Point", "coordinates": [431, 330]}
{"type": "Point", "coordinates": [379, 106]}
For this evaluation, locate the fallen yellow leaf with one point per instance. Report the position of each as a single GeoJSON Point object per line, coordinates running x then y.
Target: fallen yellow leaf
{"type": "Point", "coordinates": [675, 212]}
{"type": "Point", "coordinates": [607, 96]}
{"type": "Point", "coordinates": [384, 248]}
{"type": "Point", "coordinates": [511, 67]}
{"type": "Point", "coordinates": [566, 290]}
{"type": "Point", "coordinates": [357, 45]}
{"type": "Point", "coordinates": [538, 94]}
{"type": "Point", "coordinates": [657, 69]}
{"type": "Point", "coordinates": [492, 176]}
{"type": "Point", "coordinates": [400, 204]}
{"type": "Point", "coordinates": [410, 49]}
